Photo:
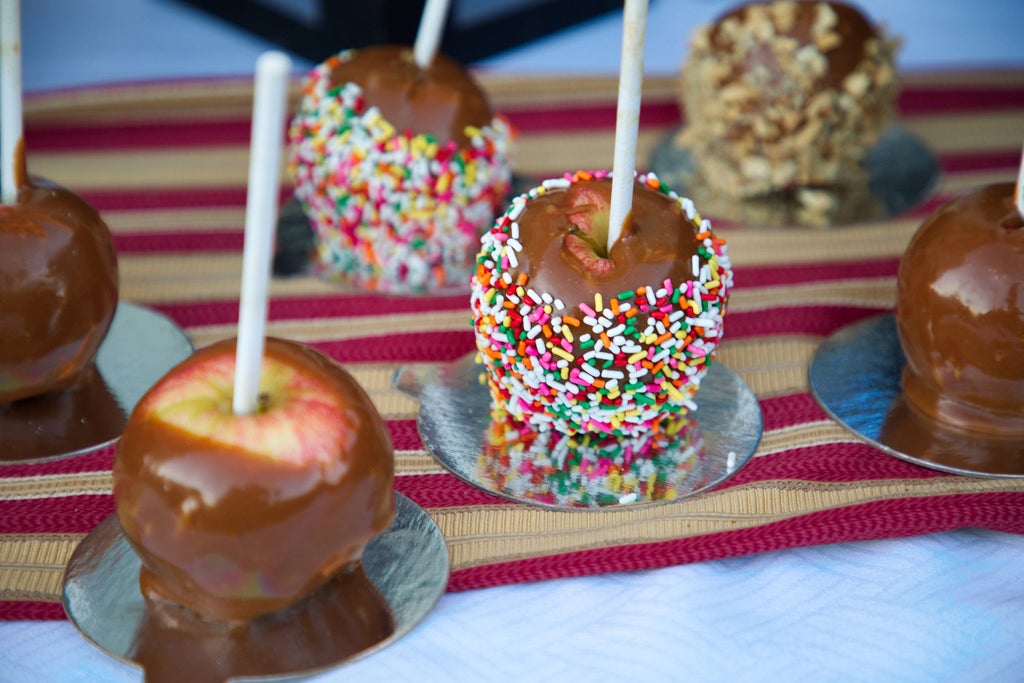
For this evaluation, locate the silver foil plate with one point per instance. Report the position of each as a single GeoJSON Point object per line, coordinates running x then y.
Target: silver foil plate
{"type": "Point", "coordinates": [455, 422]}
{"type": "Point", "coordinates": [902, 173]}
{"type": "Point", "coordinates": [856, 377]}
{"type": "Point", "coordinates": [407, 565]}
{"type": "Point", "coordinates": [140, 347]}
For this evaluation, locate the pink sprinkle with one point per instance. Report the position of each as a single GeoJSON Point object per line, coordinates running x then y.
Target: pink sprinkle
{"type": "Point", "coordinates": [588, 310]}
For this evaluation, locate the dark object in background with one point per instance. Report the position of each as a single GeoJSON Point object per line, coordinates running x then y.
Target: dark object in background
{"type": "Point", "coordinates": [295, 241]}
{"type": "Point", "coordinates": [476, 29]}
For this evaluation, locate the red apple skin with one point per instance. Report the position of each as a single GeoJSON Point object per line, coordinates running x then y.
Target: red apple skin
{"type": "Point", "coordinates": [960, 313]}
{"type": "Point", "coordinates": [252, 513]}
{"type": "Point", "coordinates": [58, 289]}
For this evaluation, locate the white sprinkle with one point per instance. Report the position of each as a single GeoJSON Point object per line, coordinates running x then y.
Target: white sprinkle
{"type": "Point", "coordinates": [651, 298]}
{"type": "Point", "coordinates": [695, 265]}
{"type": "Point", "coordinates": [590, 370]}
{"type": "Point", "coordinates": [628, 498]}
{"type": "Point", "coordinates": [510, 254]}
{"type": "Point", "coordinates": [514, 244]}
{"type": "Point", "coordinates": [556, 183]}
{"type": "Point", "coordinates": [689, 208]}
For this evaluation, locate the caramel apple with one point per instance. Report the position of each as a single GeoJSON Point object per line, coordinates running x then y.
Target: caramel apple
{"type": "Point", "coordinates": [238, 516]}
{"type": "Point", "coordinates": [787, 97]}
{"type": "Point", "coordinates": [579, 339]}
{"type": "Point", "coordinates": [960, 314]}
{"type": "Point", "coordinates": [398, 168]}
{"type": "Point", "coordinates": [58, 288]}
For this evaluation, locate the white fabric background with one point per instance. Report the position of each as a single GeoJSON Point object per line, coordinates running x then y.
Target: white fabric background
{"type": "Point", "coordinates": [943, 607]}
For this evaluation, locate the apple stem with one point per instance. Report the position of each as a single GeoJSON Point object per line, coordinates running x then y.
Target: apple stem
{"type": "Point", "coordinates": [428, 36]}
{"type": "Point", "coordinates": [270, 95]}
{"type": "Point", "coordinates": [10, 99]}
{"type": "Point", "coordinates": [627, 116]}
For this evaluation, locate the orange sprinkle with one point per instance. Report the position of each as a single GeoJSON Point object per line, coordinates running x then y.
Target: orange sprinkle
{"type": "Point", "coordinates": [568, 319]}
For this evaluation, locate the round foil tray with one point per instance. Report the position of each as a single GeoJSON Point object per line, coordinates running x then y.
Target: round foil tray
{"type": "Point", "coordinates": [902, 173]}
{"type": "Point", "coordinates": [407, 566]}
{"type": "Point", "coordinates": [455, 424]}
{"type": "Point", "coordinates": [855, 376]}
{"type": "Point", "coordinates": [140, 347]}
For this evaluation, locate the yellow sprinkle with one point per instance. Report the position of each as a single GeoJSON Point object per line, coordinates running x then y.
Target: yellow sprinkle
{"type": "Point", "coordinates": [565, 373]}
{"type": "Point", "coordinates": [559, 351]}
{"type": "Point", "coordinates": [637, 357]}
{"type": "Point", "coordinates": [567, 333]}
{"type": "Point", "coordinates": [672, 391]}
{"type": "Point", "coordinates": [598, 302]}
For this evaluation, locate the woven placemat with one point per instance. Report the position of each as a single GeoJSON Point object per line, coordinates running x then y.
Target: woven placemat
{"type": "Point", "coordinates": [166, 165]}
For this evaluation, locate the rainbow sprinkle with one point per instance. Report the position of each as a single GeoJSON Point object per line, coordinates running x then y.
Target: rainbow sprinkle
{"type": "Point", "coordinates": [614, 367]}
{"type": "Point", "coordinates": [392, 211]}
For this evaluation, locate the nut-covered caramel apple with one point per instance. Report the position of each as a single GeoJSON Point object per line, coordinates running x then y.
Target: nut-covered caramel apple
{"type": "Point", "coordinates": [960, 313]}
{"type": "Point", "coordinates": [237, 516]}
{"type": "Point", "coordinates": [399, 168]}
{"type": "Point", "coordinates": [580, 339]}
{"type": "Point", "coordinates": [58, 288]}
{"type": "Point", "coordinates": [786, 97]}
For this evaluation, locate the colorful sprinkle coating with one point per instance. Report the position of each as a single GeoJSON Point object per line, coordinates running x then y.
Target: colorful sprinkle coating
{"type": "Point", "coordinates": [615, 367]}
{"type": "Point", "coordinates": [392, 211]}
{"type": "Point", "coordinates": [590, 470]}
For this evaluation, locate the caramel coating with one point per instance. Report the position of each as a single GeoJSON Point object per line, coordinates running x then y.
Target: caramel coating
{"type": "Point", "coordinates": [439, 100]}
{"type": "Point", "coordinates": [782, 96]}
{"type": "Point", "coordinates": [960, 313]}
{"type": "Point", "coordinates": [657, 242]}
{"type": "Point", "coordinates": [233, 535]}
{"type": "Point", "coordinates": [58, 289]}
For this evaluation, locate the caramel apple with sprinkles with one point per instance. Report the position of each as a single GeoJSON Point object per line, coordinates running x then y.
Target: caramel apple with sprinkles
{"type": "Point", "coordinates": [399, 168]}
{"type": "Point", "coordinates": [578, 338]}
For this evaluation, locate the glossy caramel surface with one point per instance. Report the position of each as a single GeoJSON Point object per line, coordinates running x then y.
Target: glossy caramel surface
{"type": "Point", "coordinates": [233, 535]}
{"type": "Point", "coordinates": [58, 289]}
{"type": "Point", "coordinates": [341, 619]}
{"type": "Point", "coordinates": [657, 242]}
{"type": "Point", "coordinates": [960, 313]}
{"type": "Point", "coordinates": [439, 100]}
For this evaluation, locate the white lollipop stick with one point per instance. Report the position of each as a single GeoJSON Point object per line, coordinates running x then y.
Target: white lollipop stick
{"type": "Point", "coordinates": [428, 36]}
{"type": "Point", "coordinates": [1018, 192]}
{"type": "Point", "coordinates": [10, 99]}
{"type": "Point", "coordinates": [268, 112]}
{"type": "Point", "coordinates": [627, 115]}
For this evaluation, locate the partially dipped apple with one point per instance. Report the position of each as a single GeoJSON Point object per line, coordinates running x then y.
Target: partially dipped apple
{"type": "Point", "coordinates": [237, 516]}
{"type": "Point", "coordinates": [580, 338]}
{"type": "Point", "coordinates": [58, 288]}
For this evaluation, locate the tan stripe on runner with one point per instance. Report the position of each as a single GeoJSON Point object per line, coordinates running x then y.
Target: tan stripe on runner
{"type": "Point", "coordinates": [407, 462]}
{"type": "Point", "coordinates": [488, 534]}
{"type": "Point", "coordinates": [175, 220]}
{"type": "Point", "coordinates": [31, 564]}
{"type": "Point", "coordinates": [536, 153]}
